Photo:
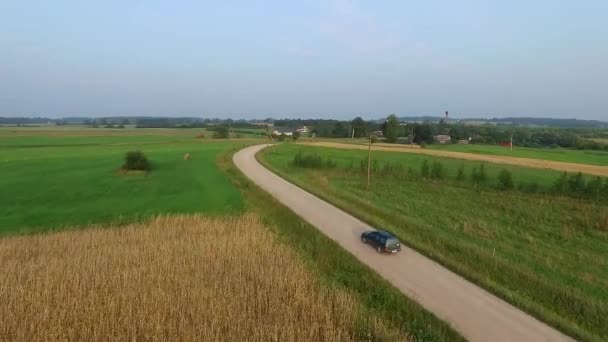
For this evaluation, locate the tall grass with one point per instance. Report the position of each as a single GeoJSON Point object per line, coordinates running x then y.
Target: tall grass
{"type": "Point", "coordinates": [173, 278]}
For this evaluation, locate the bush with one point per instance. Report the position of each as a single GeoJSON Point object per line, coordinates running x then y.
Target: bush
{"type": "Point", "coordinates": [136, 160]}
{"type": "Point", "coordinates": [505, 180]}
{"type": "Point", "coordinates": [576, 184]}
{"type": "Point", "coordinates": [220, 133]}
{"type": "Point", "coordinates": [311, 161]}
{"type": "Point", "coordinates": [460, 174]}
{"type": "Point", "coordinates": [594, 188]}
{"type": "Point", "coordinates": [561, 184]}
{"type": "Point", "coordinates": [478, 175]}
{"type": "Point", "coordinates": [529, 187]}
{"type": "Point", "coordinates": [424, 169]}
{"type": "Point", "coordinates": [437, 170]}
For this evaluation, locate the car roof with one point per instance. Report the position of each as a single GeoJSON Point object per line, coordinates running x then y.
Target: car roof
{"type": "Point", "coordinates": [386, 234]}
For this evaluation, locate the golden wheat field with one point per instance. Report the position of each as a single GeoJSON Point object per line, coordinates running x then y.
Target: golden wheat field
{"type": "Point", "coordinates": [172, 278]}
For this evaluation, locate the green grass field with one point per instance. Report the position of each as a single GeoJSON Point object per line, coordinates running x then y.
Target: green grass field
{"type": "Point", "coordinates": [544, 253]}
{"type": "Point", "coordinates": [555, 154]}
{"type": "Point", "coordinates": [74, 181]}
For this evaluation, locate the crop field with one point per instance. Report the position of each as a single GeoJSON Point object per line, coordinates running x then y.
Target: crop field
{"type": "Point", "coordinates": [75, 180]}
{"type": "Point", "coordinates": [544, 252]}
{"type": "Point", "coordinates": [557, 154]}
{"type": "Point", "coordinates": [172, 278]}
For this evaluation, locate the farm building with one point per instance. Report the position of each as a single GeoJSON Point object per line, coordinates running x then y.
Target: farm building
{"type": "Point", "coordinates": [442, 138]}
{"type": "Point", "coordinates": [282, 131]}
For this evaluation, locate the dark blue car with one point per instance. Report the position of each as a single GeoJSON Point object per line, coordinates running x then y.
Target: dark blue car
{"type": "Point", "coordinates": [382, 241]}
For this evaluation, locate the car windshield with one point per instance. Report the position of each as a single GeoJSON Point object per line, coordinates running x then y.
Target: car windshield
{"type": "Point", "coordinates": [392, 243]}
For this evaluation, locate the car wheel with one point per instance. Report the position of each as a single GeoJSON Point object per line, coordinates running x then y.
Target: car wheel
{"type": "Point", "coordinates": [379, 249]}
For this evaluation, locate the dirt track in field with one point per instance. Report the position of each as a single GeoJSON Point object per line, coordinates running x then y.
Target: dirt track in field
{"type": "Point", "coordinates": [527, 162]}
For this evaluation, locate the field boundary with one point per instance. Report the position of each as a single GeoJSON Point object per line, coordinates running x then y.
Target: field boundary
{"type": "Point", "coordinates": [595, 170]}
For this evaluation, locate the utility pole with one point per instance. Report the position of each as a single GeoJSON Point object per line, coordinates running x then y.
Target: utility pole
{"type": "Point", "coordinates": [511, 142]}
{"type": "Point", "coordinates": [369, 159]}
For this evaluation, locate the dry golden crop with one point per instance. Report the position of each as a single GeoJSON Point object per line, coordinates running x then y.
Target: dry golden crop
{"type": "Point", "coordinates": [173, 278]}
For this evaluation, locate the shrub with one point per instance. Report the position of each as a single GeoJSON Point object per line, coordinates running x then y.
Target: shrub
{"type": "Point", "coordinates": [594, 188]}
{"type": "Point", "coordinates": [505, 180]}
{"type": "Point", "coordinates": [136, 160]}
{"type": "Point", "coordinates": [529, 187]}
{"type": "Point", "coordinates": [311, 161]}
{"type": "Point", "coordinates": [220, 133]}
{"type": "Point", "coordinates": [374, 166]}
{"type": "Point", "coordinates": [561, 184]}
{"type": "Point", "coordinates": [437, 170]}
{"type": "Point", "coordinates": [478, 175]}
{"type": "Point", "coordinates": [363, 165]}
{"type": "Point", "coordinates": [330, 163]}
{"type": "Point", "coordinates": [460, 174]}
{"type": "Point", "coordinates": [295, 135]}
{"type": "Point", "coordinates": [281, 137]}
{"type": "Point", "coordinates": [576, 184]}
{"type": "Point", "coordinates": [424, 169]}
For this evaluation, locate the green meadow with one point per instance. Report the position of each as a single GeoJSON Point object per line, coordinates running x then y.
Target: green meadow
{"type": "Point", "coordinates": [545, 253]}
{"type": "Point", "coordinates": [49, 182]}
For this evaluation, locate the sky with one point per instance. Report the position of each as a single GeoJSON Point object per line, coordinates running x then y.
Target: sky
{"type": "Point", "coordinates": [314, 58]}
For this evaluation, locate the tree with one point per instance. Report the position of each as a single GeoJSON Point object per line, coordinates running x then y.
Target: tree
{"type": "Point", "coordinates": [339, 131]}
{"type": "Point", "coordinates": [220, 132]}
{"type": "Point", "coordinates": [423, 133]}
{"type": "Point", "coordinates": [505, 180]}
{"type": "Point", "coordinates": [359, 126]}
{"type": "Point", "coordinates": [295, 135]}
{"type": "Point", "coordinates": [392, 128]}
{"type": "Point", "coordinates": [136, 160]}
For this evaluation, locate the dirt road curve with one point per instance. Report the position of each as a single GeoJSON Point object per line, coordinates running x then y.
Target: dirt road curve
{"type": "Point", "coordinates": [475, 313]}
{"type": "Point", "coordinates": [528, 162]}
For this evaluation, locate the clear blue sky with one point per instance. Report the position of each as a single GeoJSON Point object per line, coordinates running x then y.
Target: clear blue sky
{"type": "Point", "coordinates": [314, 58]}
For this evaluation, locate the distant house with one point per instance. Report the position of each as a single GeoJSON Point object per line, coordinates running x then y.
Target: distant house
{"type": "Point", "coordinates": [303, 129]}
{"type": "Point", "coordinates": [377, 133]}
{"type": "Point", "coordinates": [443, 138]}
{"type": "Point", "coordinates": [282, 131]}
{"type": "Point", "coordinates": [463, 142]}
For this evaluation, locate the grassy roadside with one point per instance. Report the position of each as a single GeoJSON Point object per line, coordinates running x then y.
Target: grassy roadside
{"type": "Point", "coordinates": [547, 263]}
{"type": "Point", "coordinates": [336, 267]}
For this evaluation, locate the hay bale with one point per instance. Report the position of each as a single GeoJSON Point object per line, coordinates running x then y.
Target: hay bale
{"type": "Point", "coordinates": [187, 156]}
